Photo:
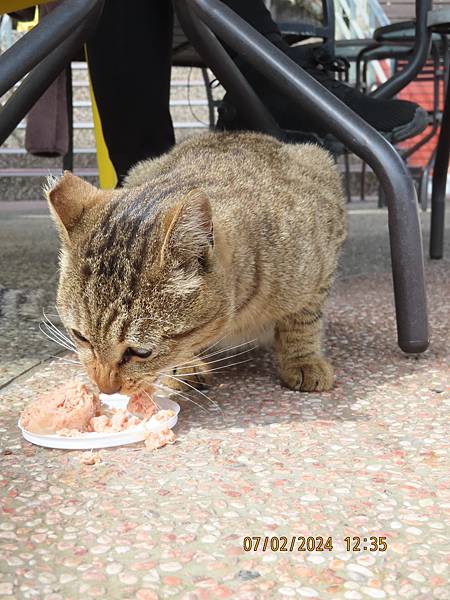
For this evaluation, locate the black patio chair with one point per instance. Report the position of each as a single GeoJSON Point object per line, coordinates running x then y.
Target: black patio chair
{"type": "Point", "coordinates": [435, 71]}
{"type": "Point", "coordinates": [430, 29]}
{"type": "Point", "coordinates": [395, 42]}
{"type": "Point", "coordinates": [208, 21]}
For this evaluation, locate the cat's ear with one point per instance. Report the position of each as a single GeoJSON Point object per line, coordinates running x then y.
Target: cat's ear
{"type": "Point", "coordinates": [68, 197]}
{"type": "Point", "coordinates": [188, 228]}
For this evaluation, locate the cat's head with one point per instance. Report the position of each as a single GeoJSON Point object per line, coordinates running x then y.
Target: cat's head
{"type": "Point", "coordinates": [142, 287]}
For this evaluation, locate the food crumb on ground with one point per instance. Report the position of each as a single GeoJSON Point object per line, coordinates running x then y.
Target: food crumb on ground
{"type": "Point", "coordinates": [90, 459]}
{"type": "Point", "coordinates": [154, 440]}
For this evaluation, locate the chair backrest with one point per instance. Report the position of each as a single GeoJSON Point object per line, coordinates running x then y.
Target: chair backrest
{"type": "Point", "coordinates": [405, 10]}
{"type": "Point", "coordinates": [305, 19]}
{"type": "Point", "coordinates": [302, 20]}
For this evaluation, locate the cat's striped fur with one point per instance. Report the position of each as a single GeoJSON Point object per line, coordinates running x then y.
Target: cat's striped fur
{"type": "Point", "coordinates": [226, 236]}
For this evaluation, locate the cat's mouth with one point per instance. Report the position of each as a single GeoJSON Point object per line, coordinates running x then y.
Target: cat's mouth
{"type": "Point", "coordinates": [149, 385]}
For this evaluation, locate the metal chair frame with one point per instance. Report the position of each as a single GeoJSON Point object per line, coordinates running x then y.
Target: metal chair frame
{"type": "Point", "coordinates": [297, 31]}
{"type": "Point", "coordinates": [427, 22]}
{"type": "Point", "coordinates": [434, 70]}
{"type": "Point", "coordinates": [207, 21]}
{"type": "Point", "coordinates": [43, 53]}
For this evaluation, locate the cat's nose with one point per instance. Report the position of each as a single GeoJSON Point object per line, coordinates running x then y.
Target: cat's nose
{"type": "Point", "coordinates": [109, 388]}
{"type": "Point", "coordinates": [107, 380]}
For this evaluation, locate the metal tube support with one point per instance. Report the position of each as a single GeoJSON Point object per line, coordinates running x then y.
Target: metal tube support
{"type": "Point", "coordinates": [68, 157]}
{"type": "Point", "coordinates": [241, 93]}
{"type": "Point", "coordinates": [440, 183]}
{"type": "Point", "coordinates": [33, 86]}
{"type": "Point", "coordinates": [356, 134]}
{"type": "Point", "coordinates": [34, 46]}
{"type": "Point", "coordinates": [209, 96]}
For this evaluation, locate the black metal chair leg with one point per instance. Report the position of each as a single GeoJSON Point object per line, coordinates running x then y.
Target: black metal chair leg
{"type": "Point", "coordinates": [68, 158]}
{"type": "Point", "coordinates": [440, 184]}
{"type": "Point", "coordinates": [349, 128]}
{"type": "Point", "coordinates": [423, 190]}
{"type": "Point", "coordinates": [363, 181]}
{"type": "Point", "coordinates": [347, 176]}
{"type": "Point", "coordinates": [209, 96]}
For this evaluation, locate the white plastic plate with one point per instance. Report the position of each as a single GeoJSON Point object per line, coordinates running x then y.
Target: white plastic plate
{"type": "Point", "coordinates": [92, 440]}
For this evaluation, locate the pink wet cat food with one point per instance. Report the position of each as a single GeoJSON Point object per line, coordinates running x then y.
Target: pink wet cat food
{"type": "Point", "coordinates": [71, 406]}
{"type": "Point", "coordinates": [119, 421]}
{"type": "Point", "coordinates": [73, 409]}
{"type": "Point", "coordinates": [143, 404]}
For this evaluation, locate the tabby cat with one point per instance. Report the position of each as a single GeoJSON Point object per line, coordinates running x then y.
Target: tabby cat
{"type": "Point", "coordinates": [226, 237]}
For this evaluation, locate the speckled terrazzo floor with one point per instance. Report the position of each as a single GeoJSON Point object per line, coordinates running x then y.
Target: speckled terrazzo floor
{"type": "Point", "coordinates": [368, 459]}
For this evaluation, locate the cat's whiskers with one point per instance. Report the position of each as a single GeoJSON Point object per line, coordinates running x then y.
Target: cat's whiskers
{"type": "Point", "coordinates": [240, 362]}
{"type": "Point", "coordinates": [216, 360]}
{"type": "Point", "coordinates": [68, 364]}
{"type": "Point", "coordinates": [208, 348]}
{"type": "Point", "coordinates": [53, 331]}
{"type": "Point", "coordinates": [65, 364]}
{"type": "Point", "coordinates": [165, 388]}
{"type": "Point", "coordinates": [49, 329]}
{"type": "Point", "coordinates": [203, 357]}
{"type": "Point", "coordinates": [57, 331]}
{"type": "Point", "coordinates": [213, 402]}
{"type": "Point", "coordinates": [150, 398]}
{"type": "Point", "coordinates": [53, 338]}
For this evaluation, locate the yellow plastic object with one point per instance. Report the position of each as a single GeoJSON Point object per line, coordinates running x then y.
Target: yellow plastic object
{"type": "Point", "coordinates": [106, 173]}
{"type": "Point", "coordinates": [7, 6]}
{"type": "Point", "coordinates": [27, 25]}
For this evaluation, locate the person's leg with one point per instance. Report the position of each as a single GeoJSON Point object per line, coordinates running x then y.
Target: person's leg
{"type": "Point", "coordinates": [396, 119]}
{"type": "Point", "coordinates": [130, 61]}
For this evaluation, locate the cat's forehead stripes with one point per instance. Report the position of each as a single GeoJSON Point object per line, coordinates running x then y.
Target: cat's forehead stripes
{"type": "Point", "coordinates": [109, 319]}
{"type": "Point", "coordinates": [111, 261]}
{"type": "Point", "coordinates": [115, 239]}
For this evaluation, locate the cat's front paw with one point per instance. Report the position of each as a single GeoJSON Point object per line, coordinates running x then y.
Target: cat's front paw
{"type": "Point", "coordinates": [316, 375]}
{"type": "Point", "coordinates": [186, 378]}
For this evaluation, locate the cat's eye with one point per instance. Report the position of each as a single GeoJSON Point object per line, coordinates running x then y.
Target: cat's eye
{"type": "Point", "coordinates": [79, 337]}
{"type": "Point", "coordinates": [139, 352]}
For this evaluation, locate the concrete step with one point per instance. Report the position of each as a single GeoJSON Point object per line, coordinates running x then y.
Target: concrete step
{"type": "Point", "coordinates": [19, 188]}
{"type": "Point", "coordinates": [17, 158]}
{"type": "Point", "coordinates": [26, 183]}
